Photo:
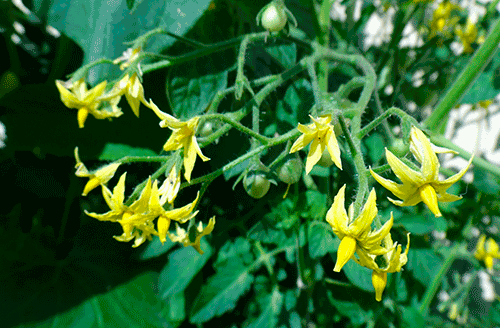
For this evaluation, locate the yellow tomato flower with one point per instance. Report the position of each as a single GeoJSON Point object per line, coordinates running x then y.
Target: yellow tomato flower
{"type": "Point", "coordinates": [322, 136]}
{"type": "Point", "coordinates": [392, 260]}
{"type": "Point", "coordinates": [98, 177]}
{"type": "Point", "coordinates": [134, 219]}
{"type": "Point", "coordinates": [442, 19]}
{"type": "Point", "coordinates": [467, 35]}
{"type": "Point", "coordinates": [86, 101]}
{"type": "Point", "coordinates": [183, 136]}
{"type": "Point", "coordinates": [487, 250]}
{"type": "Point", "coordinates": [182, 236]}
{"type": "Point", "coordinates": [182, 215]}
{"type": "Point", "coordinates": [422, 186]}
{"type": "Point", "coordinates": [170, 186]}
{"type": "Point", "coordinates": [133, 90]}
{"type": "Point", "coordinates": [356, 235]}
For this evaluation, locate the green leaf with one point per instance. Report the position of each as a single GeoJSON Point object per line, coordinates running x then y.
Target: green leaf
{"type": "Point", "coordinates": [486, 182]}
{"type": "Point", "coordinates": [191, 96]}
{"type": "Point", "coordinates": [295, 106]}
{"type": "Point", "coordinates": [321, 240]}
{"type": "Point", "coordinates": [155, 248]}
{"type": "Point", "coordinates": [315, 205]}
{"type": "Point", "coordinates": [487, 84]}
{"type": "Point", "coordinates": [286, 55]}
{"type": "Point", "coordinates": [133, 304]}
{"type": "Point", "coordinates": [270, 309]}
{"type": "Point", "coordinates": [417, 224]}
{"type": "Point", "coordinates": [424, 264]}
{"type": "Point", "coordinates": [130, 4]}
{"type": "Point", "coordinates": [375, 144]}
{"type": "Point", "coordinates": [239, 248]}
{"type": "Point", "coordinates": [173, 309]}
{"type": "Point", "coordinates": [101, 28]}
{"type": "Point", "coordinates": [359, 276]}
{"type": "Point", "coordinates": [221, 292]}
{"type": "Point", "coordinates": [352, 310]}
{"type": "Point", "coordinates": [183, 264]}
{"type": "Point", "coordinates": [112, 152]}
{"type": "Point", "coordinates": [411, 317]}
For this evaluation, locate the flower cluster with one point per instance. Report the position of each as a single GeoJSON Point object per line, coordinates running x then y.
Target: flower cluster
{"type": "Point", "coordinates": [487, 251]}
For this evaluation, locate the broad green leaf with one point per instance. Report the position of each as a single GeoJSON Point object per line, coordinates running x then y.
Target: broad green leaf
{"type": "Point", "coordinates": [321, 240]}
{"type": "Point", "coordinates": [191, 96]}
{"type": "Point", "coordinates": [417, 224]}
{"type": "Point", "coordinates": [286, 55]}
{"type": "Point", "coordinates": [221, 292]}
{"type": "Point", "coordinates": [270, 309]}
{"type": "Point", "coordinates": [375, 145]}
{"type": "Point", "coordinates": [183, 264]}
{"type": "Point", "coordinates": [290, 299]}
{"type": "Point", "coordinates": [173, 309]}
{"type": "Point", "coordinates": [352, 310]}
{"type": "Point", "coordinates": [101, 28]}
{"type": "Point", "coordinates": [486, 182]}
{"type": "Point", "coordinates": [487, 84]}
{"type": "Point", "coordinates": [112, 152]}
{"type": "Point", "coordinates": [295, 106]}
{"type": "Point", "coordinates": [155, 248]}
{"type": "Point", "coordinates": [239, 248]}
{"type": "Point", "coordinates": [359, 276]}
{"type": "Point", "coordinates": [411, 317]}
{"type": "Point", "coordinates": [315, 205]}
{"type": "Point", "coordinates": [133, 304]}
{"type": "Point", "coordinates": [424, 264]}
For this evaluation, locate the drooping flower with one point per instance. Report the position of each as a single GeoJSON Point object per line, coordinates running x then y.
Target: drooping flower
{"type": "Point", "coordinates": [356, 235]}
{"type": "Point", "coordinates": [134, 219]}
{"type": "Point", "coordinates": [96, 178]}
{"type": "Point", "coordinates": [392, 260]}
{"type": "Point", "coordinates": [467, 35]}
{"type": "Point", "coordinates": [133, 90]}
{"type": "Point", "coordinates": [86, 101]}
{"type": "Point", "coordinates": [183, 136]}
{"type": "Point", "coordinates": [487, 250]}
{"type": "Point", "coordinates": [422, 186]}
{"type": "Point", "coordinates": [322, 136]}
{"type": "Point", "coordinates": [193, 238]}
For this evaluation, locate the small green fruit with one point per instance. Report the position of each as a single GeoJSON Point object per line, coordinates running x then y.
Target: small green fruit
{"type": "Point", "coordinates": [399, 148]}
{"type": "Point", "coordinates": [256, 185]}
{"type": "Point", "coordinates": [291, 171]}
{"type": "Point", "coordinates": [274, 18]}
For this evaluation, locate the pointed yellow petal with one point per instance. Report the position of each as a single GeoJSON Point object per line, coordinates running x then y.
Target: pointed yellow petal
{"type": "Point", "coordinates": [421, 148]}
{"type": "Point", "coordinates": [346, 250]}
{"type": "Point", "coordinates": [198, 150]}
{"type": "Point", "coordinates": [91, 185]}
{"type": "Point", "coordinates": [163, 225]}
{"type": "Point", "coordinates": [134, 103]}
{"type": "Point", "coordinates": [379, 281]}
{"type": "Point", "coordinates": [189, 160]}
{"type": "Point", "coordinates": [333, 148]}
{"type": "Point", "coordinates": [442, 186]}
{"type": "Point", "coordinates": [82, 115]}
{"type": "Point", "coordinates": [362, 224]}
{"type": "Point", "coordinates": [314, 155]}
{"type": "Point", "coordinates": [337, 216]}
{"type": "Point", "coordinates": [400, 191]}
{"type": "Point", "coordinates": [429, 197]}
{"type": "Point", "coordinates": [402, 171]}
{"type": "Point", "coordinates": [374, 238]}
{"type": "Point", "coordinates": [448, 197]}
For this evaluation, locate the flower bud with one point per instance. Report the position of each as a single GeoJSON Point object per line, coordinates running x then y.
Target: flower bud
{"type": "Point", "coordinates": [399, 148]}
{"type": "Point", "coordinates": [273, 17]}
{"type": "Point", "coordinates": [256, 185]}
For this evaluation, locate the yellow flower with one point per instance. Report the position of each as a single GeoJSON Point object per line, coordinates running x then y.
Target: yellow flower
{"type": "Point", "coordinates": [128, 56]}
{"type": "Point", "coordinates": [442, 20]}
{"type": "Point", "coordinates": [321, 133]}
{"type": "Point", "coordinates": [467, 35]}
{"type": "Point", "coordinates": [424, 185]}
{"type": "Point", "coordinates": [182, 236]}
{"type": "Point", "coordinates": [392, 260]}
{"type": "Point", "coordinates": [182, 215]}
{"type": "Point", "coordinates": [356, 234]}
{"type": "Point", "coordinates": [133, 90]}
{"type": "Point", "coordinates": [183, 136]}
{"type": "Point", "coordinates": [487, 250]}
{"type": "Point", "coordinates": [134, 219]}
{"type": "Point", "coordinates": [86, 101]}
{"type": "Point", "coordinates": [99, 177]}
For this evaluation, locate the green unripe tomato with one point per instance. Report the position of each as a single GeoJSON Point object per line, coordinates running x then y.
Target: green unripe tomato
{"type": "Point", "coordinates": [325, 159]}
{"type": "Point", "coordinates": [291, 171]}
{"type": "Point", "coordinates": [206, 130]}
{"type": "Point", "coordinates": [256, 185]}
{"type": "Point", "coordinates": [274, 18]}
{"type": "Point", "coordinates": [398, 147]}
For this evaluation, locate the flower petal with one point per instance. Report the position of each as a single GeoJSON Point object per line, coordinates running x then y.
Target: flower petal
{"type": "Point", "coordinates": [363, 223]}
{"type": "Point", "coordinates": [333, 148]}
{"type": "Point", "coordinates": [337, 216]}
{"type": "Point", "coordinates": [407, 175]}
{"type": "Point", "coordinates": [400, 191]}
{"type": "Point", "coordinates": [314, 155]}
{"type": "Point", "coordinates": [345, 252]}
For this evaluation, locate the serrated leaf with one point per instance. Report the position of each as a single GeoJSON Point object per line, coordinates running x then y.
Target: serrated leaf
{"type": "Point", "coordinates": [112, 152]}
{"type": "Point", "coordinates": [191, 96]}
{"type": "Point", "coordinates": [286, 55]}
{"type": "Point", "coordinates": [221, 292]}
{"type": "Point", "coordinates": [321, 240]}
{"type": "Point", "coordinates": [133, 304]}
{"type": "Point", "coordinates": [183, 264]}
{"type": "Point", "coordinates": [423, 263]}
{"type": "Point", "coordinates": [155, 248]}
{"type": "Point", "coordinates": [269, 311]}
{"type": "Point", "coordinates": [240, 248]}
{"type": "Point", "coordinates": [101, 28]}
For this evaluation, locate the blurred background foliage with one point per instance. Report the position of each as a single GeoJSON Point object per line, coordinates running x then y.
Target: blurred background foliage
{"type": "Point", "coordinates": [61, 268]}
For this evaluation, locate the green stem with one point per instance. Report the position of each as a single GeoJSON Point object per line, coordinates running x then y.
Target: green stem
{"type": "Point", "coordinates": [238, 126]}
{"type": "Point", "coordinates": [316, 88]}
{"type": "Point", "coordinates": [466, 78]}
{"type": "Point", "coordinates": [391, 111]}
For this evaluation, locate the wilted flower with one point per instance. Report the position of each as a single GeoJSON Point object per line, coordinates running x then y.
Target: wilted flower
{"type": "Point", "coordinates": [322, 136]}
{"type": "Point", "coordinates": [193, 239]}
{"type": "Point", "coordinates": [424, 185]}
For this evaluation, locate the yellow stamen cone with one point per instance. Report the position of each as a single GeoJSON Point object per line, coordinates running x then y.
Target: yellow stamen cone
{"type": "Point", "coordinates": [346, 250]}
{"type": "Point", "coordinates": [379, 281]}
{"type": "Point", "coordinates": [429, 197]}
